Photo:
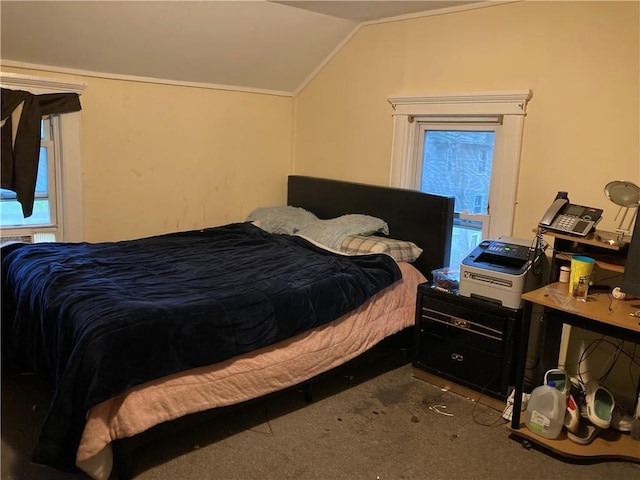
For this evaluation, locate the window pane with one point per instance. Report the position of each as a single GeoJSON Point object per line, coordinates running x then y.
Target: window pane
{"type": "Point", "coordinates": [42, 180]}
{"type": "Point", "coordinates": [466, 236]}
{"type": "Point", "coordinates": [11, 210]}
{"type": "Point", "coordinates": [458, 163]}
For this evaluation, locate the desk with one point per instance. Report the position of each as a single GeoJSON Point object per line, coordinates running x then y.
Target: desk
{"type": "Point", "coordinates": [600, 314]}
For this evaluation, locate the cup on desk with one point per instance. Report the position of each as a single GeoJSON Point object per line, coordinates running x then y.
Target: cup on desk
{"type": "Point", "coordinates": [565, 274]}
{"type": "Point", "coordinates": [581, 270]}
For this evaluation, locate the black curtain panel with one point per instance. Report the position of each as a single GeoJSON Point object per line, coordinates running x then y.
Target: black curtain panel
{"type": "Point", "coordinates": [21, 151]}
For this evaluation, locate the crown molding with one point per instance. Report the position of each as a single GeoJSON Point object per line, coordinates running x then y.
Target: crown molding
{"type": "Point", "coordinates": [131, 78]}
{"type": "Point", "coordinates": [33, 83]}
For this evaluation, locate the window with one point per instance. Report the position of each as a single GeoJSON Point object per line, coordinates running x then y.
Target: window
{"type": "Point", "coordinates": [44, 217]}
{"type": "Point", "coordinates": [57, 213]}
{"type": "Point", "coordinates": [457, 161]}
{"type": "Point", "coordinates": [465, 146]}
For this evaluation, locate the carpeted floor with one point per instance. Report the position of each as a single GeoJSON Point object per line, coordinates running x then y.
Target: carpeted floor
{"type": "Point", "coordinates": [364, 423]}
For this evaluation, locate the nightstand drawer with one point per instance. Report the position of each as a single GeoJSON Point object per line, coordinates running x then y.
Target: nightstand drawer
{"type": "Point", "coordinates": [470, 331]}
{"type": "Point", "coordinates": [461, 362]}
{"type": "Point", "coordinates": [492, 321]}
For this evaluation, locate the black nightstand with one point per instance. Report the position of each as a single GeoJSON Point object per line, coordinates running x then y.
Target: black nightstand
{"type": "Point", "coordinates": [466, 340]}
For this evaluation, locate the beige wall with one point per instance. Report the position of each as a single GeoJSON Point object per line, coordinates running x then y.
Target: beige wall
{"type": "Point", "coordinates": [158, 158]}
{"type": "Point", "coordinates": [580, 59]}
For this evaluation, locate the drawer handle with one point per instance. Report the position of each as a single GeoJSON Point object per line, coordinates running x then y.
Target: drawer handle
{"type": "Point", "coordinates": [456, 322]}
{"type": "Point", "coordinates": [457, 357]}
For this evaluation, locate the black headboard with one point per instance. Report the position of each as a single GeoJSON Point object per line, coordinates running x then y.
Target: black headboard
{"type": "Point", "coordinates": [426, 220]}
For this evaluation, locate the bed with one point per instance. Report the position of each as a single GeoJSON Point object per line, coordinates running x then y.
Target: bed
{"type": "Point", "coordinates": [177, 335]}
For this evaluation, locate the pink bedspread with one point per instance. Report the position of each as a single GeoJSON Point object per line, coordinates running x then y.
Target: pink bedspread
{"type": "Point", "coordinates": [248, 376]}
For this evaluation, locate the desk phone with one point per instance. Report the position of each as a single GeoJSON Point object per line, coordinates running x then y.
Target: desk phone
{"type": "Point", "coordinates": [566, 217]}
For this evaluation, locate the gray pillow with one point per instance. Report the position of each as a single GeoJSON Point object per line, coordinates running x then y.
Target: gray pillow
{"type": "Point", "coordinates": [333, 232]}
{"type": "Point", "coordinates": [281, 219]}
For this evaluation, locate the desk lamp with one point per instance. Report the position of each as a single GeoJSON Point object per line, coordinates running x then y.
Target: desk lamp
{"type": "Point", "coordinates": [627, 196]}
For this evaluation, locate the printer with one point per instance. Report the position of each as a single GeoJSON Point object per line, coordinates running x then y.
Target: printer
{"type": "Point", "coordinates": [497, 271]}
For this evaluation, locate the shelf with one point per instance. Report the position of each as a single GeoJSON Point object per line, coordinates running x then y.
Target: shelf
{"type": "Point", "coordinates": [607, 256]}
{"type": "Point", "coordinates": [590, 239]}
{"type": "Point", "coordinates": [613, 267]}
{"type": "Point", "coordinates": [610, 444]}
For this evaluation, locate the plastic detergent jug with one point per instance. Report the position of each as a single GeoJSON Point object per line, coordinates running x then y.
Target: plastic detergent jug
{"type": "Point", "coordinates": [545, 412]}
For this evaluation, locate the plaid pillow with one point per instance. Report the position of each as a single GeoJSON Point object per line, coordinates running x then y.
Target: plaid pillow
{"type": "Point", "coordinates": [400, 250]}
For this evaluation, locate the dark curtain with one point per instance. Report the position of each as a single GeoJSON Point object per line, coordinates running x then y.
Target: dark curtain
{"type": "Point", "coordinates": [20, 154]}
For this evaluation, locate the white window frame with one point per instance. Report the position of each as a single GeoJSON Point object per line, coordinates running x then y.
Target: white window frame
{"type": "Point", "coordinates": [505, 108]}
{"type": "Point", "coordinates": [68, 165]}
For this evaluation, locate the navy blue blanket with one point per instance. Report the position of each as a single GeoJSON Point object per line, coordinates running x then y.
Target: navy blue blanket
{"type": "Point", "coordinates": [101, 318]}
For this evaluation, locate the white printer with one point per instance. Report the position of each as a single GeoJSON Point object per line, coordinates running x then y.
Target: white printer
{"type": "Point", "coordinates": [497, 271]}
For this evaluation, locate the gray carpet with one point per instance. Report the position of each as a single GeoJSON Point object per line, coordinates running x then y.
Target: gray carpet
{"type": "Point", "coordinates": [363, 424]}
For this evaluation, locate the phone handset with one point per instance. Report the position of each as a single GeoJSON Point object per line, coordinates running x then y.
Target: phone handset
{"type": "Point", "coordinates": [556, 207]}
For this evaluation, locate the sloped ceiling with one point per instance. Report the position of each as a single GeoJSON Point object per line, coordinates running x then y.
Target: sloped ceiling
{"type": "Point", "coordinates": [272, 46]}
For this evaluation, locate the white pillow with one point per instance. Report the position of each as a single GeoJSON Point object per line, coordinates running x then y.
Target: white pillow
{"type": "Point", "coordinates": [283, 219]}
{"type": "Point", "coordinates": [333, 232]}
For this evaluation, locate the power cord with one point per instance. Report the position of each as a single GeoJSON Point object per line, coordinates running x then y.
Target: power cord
{"type": "Point", "coordinates": [536, 251]}
{"type": "Point", "coordinates": [619, 351]}
{"type": "Point", "coordinates": [498, 421]}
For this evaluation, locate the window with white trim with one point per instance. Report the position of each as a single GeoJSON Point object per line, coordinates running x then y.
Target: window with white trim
{"type": "Point", "coordinates": [465, 146]}
{"type": "Point", "coordinates": [57, 214]}
{"type": "Point", "coordinates": [42, 225]}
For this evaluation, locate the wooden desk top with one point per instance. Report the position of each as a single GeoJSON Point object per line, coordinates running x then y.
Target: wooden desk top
{"type": "Point", "coordinates": [601, 307]}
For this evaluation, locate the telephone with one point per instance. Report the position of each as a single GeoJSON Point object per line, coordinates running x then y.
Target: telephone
{"type": "Point", "coordinates": [566, 217]}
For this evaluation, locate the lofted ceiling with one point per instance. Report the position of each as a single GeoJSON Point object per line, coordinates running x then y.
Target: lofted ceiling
{"type": "Point", "coordinates": [270, 46]}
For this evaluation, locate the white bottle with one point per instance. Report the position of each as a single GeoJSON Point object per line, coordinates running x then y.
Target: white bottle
{"type": "Point", "coordinates": [546, 410]}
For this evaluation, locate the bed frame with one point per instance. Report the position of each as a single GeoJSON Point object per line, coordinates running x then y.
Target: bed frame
{"type": "Point", "coordinates": [426, 220]}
